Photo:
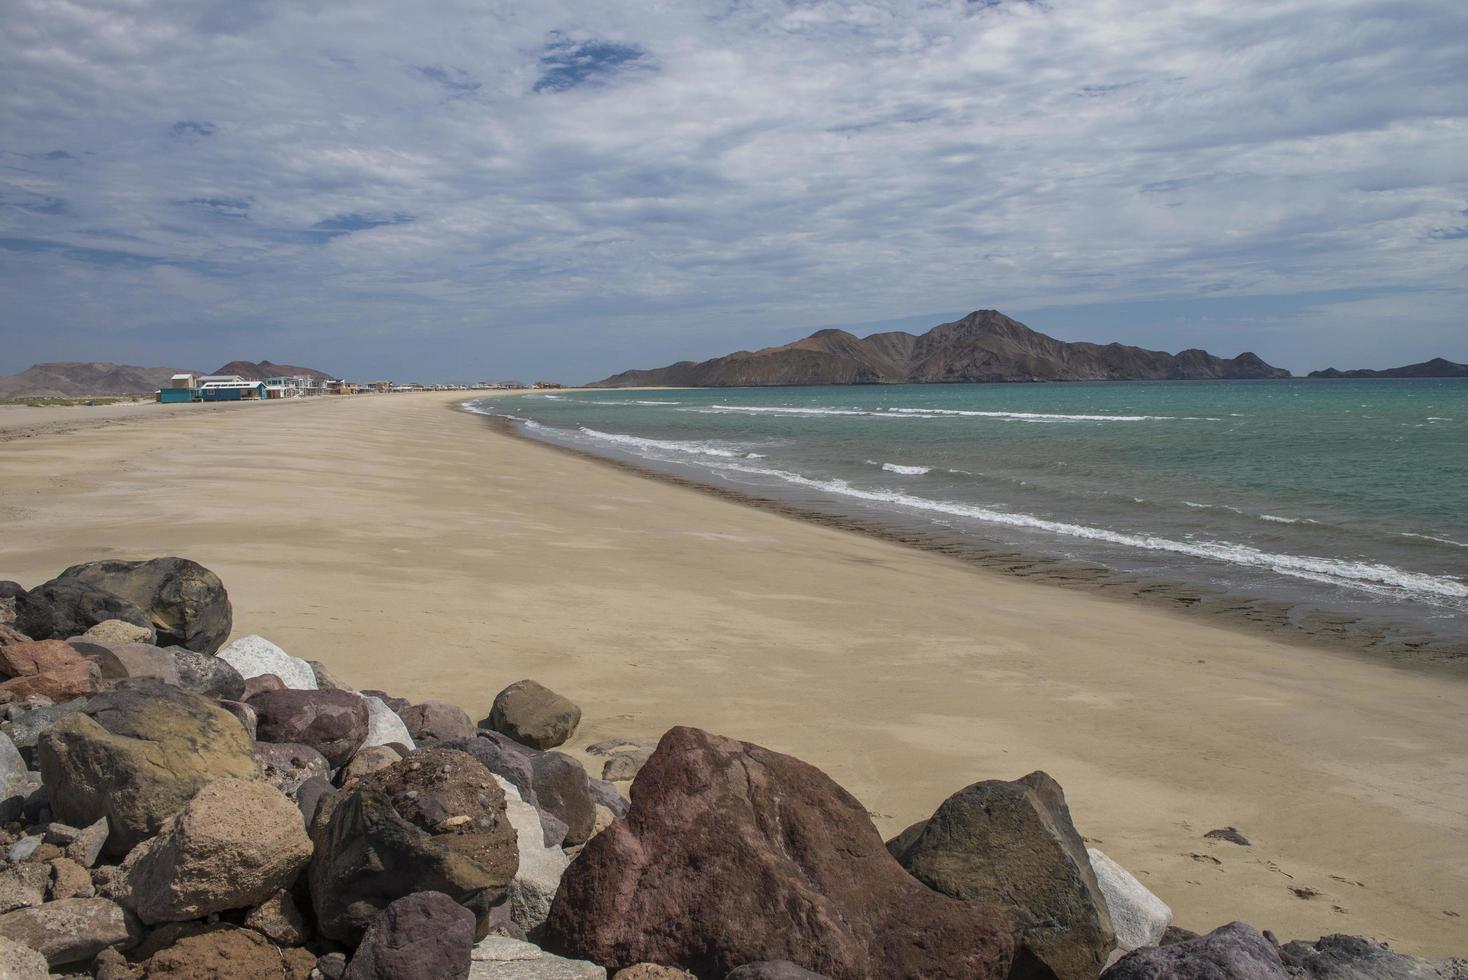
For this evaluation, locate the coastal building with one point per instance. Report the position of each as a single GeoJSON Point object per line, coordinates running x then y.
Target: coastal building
{"type": "Point", "coordinates": [186, 380]}
{"type": "Point", "coordinates": [227, 390]}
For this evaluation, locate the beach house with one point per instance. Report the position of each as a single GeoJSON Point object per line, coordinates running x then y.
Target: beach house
{"type": "Point", "coordinates": [230, 388]}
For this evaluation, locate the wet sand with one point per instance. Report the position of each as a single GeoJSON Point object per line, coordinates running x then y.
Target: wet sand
{"type": "Point", "coordinates": [414, 548]}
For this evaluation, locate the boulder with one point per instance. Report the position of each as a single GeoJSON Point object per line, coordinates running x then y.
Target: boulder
{"type": "Point", "coordinates": [541, 865]}
{"type": "Point", "coordinates": [121, 631]}
{"type": "Point", "coordinates": [254, 655]}
{"type": "Point", "coordinates": [1138, 918]}
{"type": "Point", "coordinates": [224, 952]}
{"type": "Point", "coordinates": [72, 930]}
{"type": "Point", "coordinates": [333, 723]}
{"type": "Point", "coordinates": [369, 759]}
{"type": "Point", "coordinates": [117, 659]}
{"type": "Point", "coordinates": [23, 885]}
{"type": "Point", "coordinates": [27, 722]}
{"type": "Point", "coordinates": [733, 854]}
{"type": "Point", "coordinates": [1232, 952]}
{"type": "Point", "coordinates": [50, 669]}
{"type": "Point", "coordinates": [418, 936]}
{"type": "Point", "coordinates": [207, 675]}
{"type": "Point", "coordinates": [502, 756]}
{"type": "Point", "coordinates": [397, 704]}
{"type": "Point", "coordinates": [310, 796]}
{"type": "Point", "coordinates": [437, 721]}
{"type": "Point", "coordinates": [186, 604]}
{"type": "Point", "coordinates": [562, 790]}
{"type": "Point", "coordinates": [244, 714]}
{"type": "Point", "coordinates": [1012, 846]}
{"type": "Point", "coordinates": [75, 607]}
{"type": "Point", "coordinates": [279, 920]}
{"type": "Point", "coordinates": [324, 679]}
{"type": "Point", "coordinates": [533, 715]}
{"type": "Point", "coordinates": [503, 958]}
{"type": "Point", "coordinates": [1341, 957]}
{"type": "Point", "coordinates": [20, 962]}
{"type": "Point", "coordinates": [603, 793]}
{"type": "Point", "coordinates": [286, 765]}
{"type": "Point", "coordinates": [23, 613]}
{"type": "Point", "coordinates": [87, 845]}
{"type": "Point", "coordinates": [68, 880]}
{"type": "Point", "coordinates": [652, 971]}
{"type": "Point", "coordinates": [136, 755]}
{"type": "Point", "coordinates": [384, 727]}
{"type": "Point", "coordinates": [261, 683]}
{"type": "Point", "coordinates": [434, 821]}
{"type": "Point", "coordinates": [234, 845]}
{"type": "Point", "coordinates": [13, 770]}
{"type": "Point", "coordinates": [772, 970]}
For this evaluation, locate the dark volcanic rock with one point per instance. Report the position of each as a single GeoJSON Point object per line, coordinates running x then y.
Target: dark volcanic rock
{"type": "Point", "coordinates": [136, 755]}
{"type": "Point", "coordinates": [435, 821]}
{"type": "Point", "coordinates": [605, 794]}
{"type": "Point", "coordinates": [24, 612]}
{"type": "Point", "coordinates": [333, 723]}
{"type": "Point", "coordinates": [1012, 846]}
{"type": "Point", "coordinates": [1231, 952]}
{"type": "Point", "coordinates": [1340, 957]}
{"type": "Point", "coordinates": [204, 674]}
{"type": "Point", "coordinates": [419, 936]}
{"type": "Point", "coordinates": [733, 854]}
{"type": "Point", "coordinates": [185, 602]}
{"type": "Point", "coordinates": [259, 684]}
{"type": "Point", "coordinates": [436, 721]}
{"type": "Point", "coordinates": [986, 345]}
{"type": "Point", "coordinates": [533, 715]}
{"type": "Point", "coordinates": [78, 606]}
{"type": "Point", "coordinates": [563, 790]}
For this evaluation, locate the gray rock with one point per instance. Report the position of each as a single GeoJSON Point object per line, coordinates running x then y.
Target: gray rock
{"type": "Point", "coordinates": [1138, 917]}
{"type": "Point", "coordinates": [246, 715]}
{"type": "Point", "coordinates": [1012, 846]}
{"type": "Point", "coordinates": [22, 849]}
{"type": "Point", "coordinates": [87, 846]}
{"type": "Point", "coordinates": [279, 920]}
{"type": "Point", "coordinates": [310, 796]}
{"type": "Point", "coordinates": [23, 885]}
{"type": "Point", "coordinates": [27, 723]}
{"type": "Point", "coordinates": [286, 765]}
{"type": "Point", "coordinates": [563, 790]}
{"type": "Point", "coordinates": [324, 679]}
{"type": "Point", "coordinates": [254, 655]}
{"type": "Point", "coordinates": [534, 715]}
{"type": "Point", "coordinates": [24, 613]}
{"type": "Point", "coordinates": [18, 962]}
{"type": "Point", "coordinates": [12, 769]}
{"type": "Point", "coordinates": [207, 675]}
{"type": "Point", "coordinates": [437, 721]}
{"type": "Point", "coordinates": [117, 659]}
{"type": "Point", "coordinates": [1341, 957]}
{"type": "Point", "coordinates": [603, 793]}
{"type": "Point", "coordinates": [384, 727]}
{"type": "Point", "coordinates": [502, 958]}
{"type": "Point", "coordinates": [1231, 952]}
{"type": "Point", "coordinates": [71, 930]}
{"type": "Point", "coordinates": [541, 866]}
{"type": "Point", "coordinates": [186, 603]}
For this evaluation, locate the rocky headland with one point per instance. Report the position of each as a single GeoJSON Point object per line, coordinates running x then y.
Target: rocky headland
{"type": "Point", "coordinates": [1438, 367]}
{"type": "Point", "coordinates": [176, 805]}
{"type": "Point", "coordinates": [985, 346]}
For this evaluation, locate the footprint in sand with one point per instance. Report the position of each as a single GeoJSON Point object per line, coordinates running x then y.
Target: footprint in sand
{"type": "Point", "coordinates": [1205, 858]}
{"type": "Point", "coordinates": [1304, 891]}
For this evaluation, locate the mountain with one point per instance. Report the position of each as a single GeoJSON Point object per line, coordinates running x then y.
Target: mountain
{"type": "Point", "coordinates": [74, 379]}
{"type": "Point", "coordinates": [986, 345]}
{"type": "Point", "coordinates": [1438, 367]}
{"type": "Point", "coordinates": [265, 369]}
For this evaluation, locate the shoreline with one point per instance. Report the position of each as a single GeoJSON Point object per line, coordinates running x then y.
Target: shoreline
{"type": "Point", "coordinates": [410, 550]}
{"type": "Point", "coordinates": [1343, 633]}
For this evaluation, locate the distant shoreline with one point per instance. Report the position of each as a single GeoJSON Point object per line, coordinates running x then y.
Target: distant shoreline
{"type": "Point", "coordinates": [1259, 617]}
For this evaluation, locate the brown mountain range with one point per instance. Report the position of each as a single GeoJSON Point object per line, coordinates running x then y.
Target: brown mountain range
{"type": "Point", "coordinates": [74, 379]}
{"type": "Point", "coordinates": [260, 370]}
{"type": "Point", "coordinates": [986, 345]}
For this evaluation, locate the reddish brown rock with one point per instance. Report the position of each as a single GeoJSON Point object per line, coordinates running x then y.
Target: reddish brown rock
{"type": "Point", "coordinates": [734, 854]}
{"type": "Point", "coordinates": [51, 669]}
{"type": "Point", "coordinates": [228, 953]}
{"type": "Point", "coordinates": [436, 721]}
{"type": "Point", "coordinates": [333, 723]}
{"type": "Point", "coordinates": [426, 934]}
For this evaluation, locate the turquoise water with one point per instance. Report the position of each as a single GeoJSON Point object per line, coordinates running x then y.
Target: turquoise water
{"type": "Point", "coordinates": [1342, 496]}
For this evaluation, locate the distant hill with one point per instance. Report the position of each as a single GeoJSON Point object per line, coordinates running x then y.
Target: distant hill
{"type": "Point", "coordinates": [986, 345]}
{"type": "Point", "coordinates": [74, 379]}
{"type": "Point", "coordinates": [266, 369]}
{"type": "Point", "coordinates": [1438, 367]}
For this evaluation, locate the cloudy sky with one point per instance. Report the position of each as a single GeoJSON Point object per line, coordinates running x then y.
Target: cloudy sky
{"type": "Point", "coordinates": [482, 189]}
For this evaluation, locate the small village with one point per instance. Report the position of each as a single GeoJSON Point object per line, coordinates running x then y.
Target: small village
{"type": "Point", "coordinates": [190, 387]}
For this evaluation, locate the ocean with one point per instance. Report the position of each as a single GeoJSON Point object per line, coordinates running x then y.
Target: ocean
{"type": "Point", "coordinates": [1329, 506]}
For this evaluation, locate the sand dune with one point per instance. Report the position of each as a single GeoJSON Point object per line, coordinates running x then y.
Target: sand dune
{"type": "Point", "coordinates": [412, 548]}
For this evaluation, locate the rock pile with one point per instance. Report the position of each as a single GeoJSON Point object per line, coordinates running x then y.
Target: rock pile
{"type": "Point", "coordinates": [176, 808]}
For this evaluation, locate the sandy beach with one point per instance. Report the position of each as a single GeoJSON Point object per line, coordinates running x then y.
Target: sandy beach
{"type": "Point", "coordinates": [413, 548]}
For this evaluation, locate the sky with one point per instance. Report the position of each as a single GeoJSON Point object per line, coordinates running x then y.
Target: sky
{"type": "Point", "coordinates": [476, 189]}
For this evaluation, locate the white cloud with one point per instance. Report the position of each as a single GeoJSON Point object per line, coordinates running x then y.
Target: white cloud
{"type": "Point", "coordinates": [684, 181]}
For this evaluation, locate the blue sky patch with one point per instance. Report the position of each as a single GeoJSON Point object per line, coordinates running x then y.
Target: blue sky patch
{"type": "Point", "coordinates": [567, 64]}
